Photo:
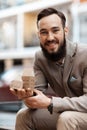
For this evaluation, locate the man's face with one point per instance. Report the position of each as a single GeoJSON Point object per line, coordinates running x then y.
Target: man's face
{"type": "Point", "coordinates": [51, 33]}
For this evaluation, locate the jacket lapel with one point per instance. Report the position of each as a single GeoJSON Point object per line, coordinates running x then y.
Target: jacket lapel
{"type": "Point", "coordinates": [71, 51]}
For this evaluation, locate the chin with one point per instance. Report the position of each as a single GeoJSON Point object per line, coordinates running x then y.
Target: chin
{"type": "Point", "coordinates": [52, 50]}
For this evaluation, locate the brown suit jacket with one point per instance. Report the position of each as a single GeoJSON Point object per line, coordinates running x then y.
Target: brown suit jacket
{"type": "Point", "coordinates": [71, 86]}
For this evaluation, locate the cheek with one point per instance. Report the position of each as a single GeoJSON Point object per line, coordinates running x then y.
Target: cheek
{"type": "Point", "coordinates": [42, 39]}
{"type": "Point", "coordinates": [60, 36]}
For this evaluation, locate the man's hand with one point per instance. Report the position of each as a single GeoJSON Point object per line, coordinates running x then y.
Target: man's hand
{"type": "Point", "coordinates": [22, 93]}
{"type": "Point", "coordinates": [38, 101]}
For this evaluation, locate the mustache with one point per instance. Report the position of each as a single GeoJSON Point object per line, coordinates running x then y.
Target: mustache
{"type": "Point", "coordinates": [57, 55]}
{"type": "Point", "coordinates": [51, 41]}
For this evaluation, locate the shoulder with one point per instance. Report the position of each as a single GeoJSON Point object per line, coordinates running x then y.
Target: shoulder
{"type": "Point", "coordinates": [82, 48]}
{"type": "Point", "coordinates": [40, 56]}
{"type": "Point", "coordinates": [81, 53]}
{"type": "Point", "coordinates": [39, 53]}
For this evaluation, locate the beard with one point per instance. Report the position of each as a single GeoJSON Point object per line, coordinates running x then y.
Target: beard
{"type": "Point", "coordinates": [56, 56]}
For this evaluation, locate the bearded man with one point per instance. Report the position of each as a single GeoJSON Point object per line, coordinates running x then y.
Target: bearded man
{"type": "Point", "coordinates": [62, 65]}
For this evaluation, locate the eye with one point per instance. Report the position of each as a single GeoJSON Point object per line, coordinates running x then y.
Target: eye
{"type": "Point", "coordinates": [44, 33]}
{"type": "Point", "coordinates": [55, 30]}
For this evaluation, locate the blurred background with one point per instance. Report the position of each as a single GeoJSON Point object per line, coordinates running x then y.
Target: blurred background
{"type": "Point", "coordinates": [19, 41]}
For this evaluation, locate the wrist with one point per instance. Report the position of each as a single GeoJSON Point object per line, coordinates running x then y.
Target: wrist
{"type": "Point", "coordinates": [50, 107]}
{"type": "Point", "coordinates": [49, 102]}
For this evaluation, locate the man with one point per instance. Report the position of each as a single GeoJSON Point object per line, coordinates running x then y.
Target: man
{"type": "Point", "coordinates": [63, 65]}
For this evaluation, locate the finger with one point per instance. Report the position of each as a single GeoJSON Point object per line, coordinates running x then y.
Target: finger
{"type": "Point", "coordinates": [29, 93]}
{"type": "Point", "coordinates": [21, 93]}
{"type": "Point", "coordinates": [13, 91]}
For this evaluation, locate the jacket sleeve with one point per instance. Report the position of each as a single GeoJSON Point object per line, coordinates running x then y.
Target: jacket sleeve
{"type": "Point", "coordinates": [73, 103]}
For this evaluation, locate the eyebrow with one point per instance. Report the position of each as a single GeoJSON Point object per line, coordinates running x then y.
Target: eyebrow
{"type": "Point", "coordinates": [43, 29]}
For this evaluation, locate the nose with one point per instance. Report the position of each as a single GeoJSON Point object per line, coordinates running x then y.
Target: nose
{"type": "Point", "coordinates": [50, 36]}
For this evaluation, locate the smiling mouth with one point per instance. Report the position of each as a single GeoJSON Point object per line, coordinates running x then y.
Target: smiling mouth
{"type": "Point", "coordinates": [51, 43]}
{"type": "Point", "coordinates": [52, 47]}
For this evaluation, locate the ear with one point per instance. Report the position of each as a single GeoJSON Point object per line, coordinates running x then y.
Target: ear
{"type": "Point", "coordinates": [66, 31]}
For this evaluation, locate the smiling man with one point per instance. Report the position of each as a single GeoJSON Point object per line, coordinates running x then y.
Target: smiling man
{"type": "Point", "coordinates": [52, 37]}
{"type": "Point", "coordinates": [62, 65]}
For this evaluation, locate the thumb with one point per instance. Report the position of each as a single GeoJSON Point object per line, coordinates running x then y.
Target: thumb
{"type": "Point", "coordinates": [37, 91]}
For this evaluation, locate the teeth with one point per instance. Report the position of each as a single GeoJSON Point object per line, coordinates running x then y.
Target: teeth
{"type": "Point", "coordinates": [51, 43]}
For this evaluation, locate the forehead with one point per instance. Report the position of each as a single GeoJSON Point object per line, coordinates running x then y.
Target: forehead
{"type": "Point", "coordinates": [50, 21]}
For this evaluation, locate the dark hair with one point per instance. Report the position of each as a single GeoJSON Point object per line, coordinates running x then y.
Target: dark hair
{"type": "Point", "coordinates": [49, 11]}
